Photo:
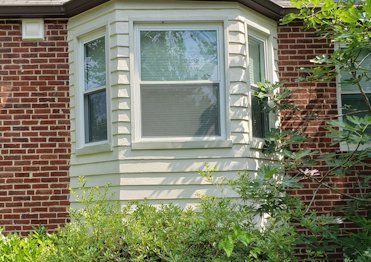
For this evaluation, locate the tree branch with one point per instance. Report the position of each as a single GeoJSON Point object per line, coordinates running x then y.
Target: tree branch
{"type": "Point", "coordinates": [319, 181]}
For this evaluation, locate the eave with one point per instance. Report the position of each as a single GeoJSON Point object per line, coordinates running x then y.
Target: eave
{"type": "Point", "coordinates": [75, 7]}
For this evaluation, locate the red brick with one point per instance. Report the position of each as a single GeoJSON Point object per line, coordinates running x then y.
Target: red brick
{"type": "Point", "coordinates": [26, 133]}
{"type": "Point", "coordinates": [311, 97]}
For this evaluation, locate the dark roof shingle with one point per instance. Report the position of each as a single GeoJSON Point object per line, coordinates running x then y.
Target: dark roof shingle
{"type": "Point", "coordinates": [31, 2]}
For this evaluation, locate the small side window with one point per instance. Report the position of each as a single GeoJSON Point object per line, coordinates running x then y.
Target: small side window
{"type": "Point", "coordinates": [94, 90]}
{"type": "Point", "coordinates": [351, 98]}
{"type": "Point", "coordinates": [257, 71]}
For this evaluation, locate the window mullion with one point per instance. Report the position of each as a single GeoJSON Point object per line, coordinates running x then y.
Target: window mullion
{"type": "Point", "coordinates": [200, 82]}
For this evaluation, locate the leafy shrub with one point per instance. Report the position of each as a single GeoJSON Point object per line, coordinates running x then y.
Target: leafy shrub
{"type": "Point", "coordinates": [34, 247]}
{"type": "Point", "coordinates": [265, 195]}
{"type": "Point", "coordinates": [102, 231]}
{"type": "Point", "coordinates": [357, 243]}
{"type": "Point", "coordinates": [260, 227]}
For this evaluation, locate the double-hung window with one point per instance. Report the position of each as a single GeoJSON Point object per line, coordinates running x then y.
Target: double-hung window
{"type": "Point", "coordinates": [179, 83]}
{"type": "Point", "coordinates": [94, 89]}
{"type": "Point", "coordinates": [257, 72]}
{"type": "Point", "coordinates": [351, 98]}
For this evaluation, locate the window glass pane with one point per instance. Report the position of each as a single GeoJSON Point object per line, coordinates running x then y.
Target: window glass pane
{"type": "Point", "coordinates": [179, 55]}
{"type": "Point", "coordinates": [95, 117]}
{"type": "Point", "coordinates": [180, 111]}
{"type": "Point", "coordinates": [95, 64]}
{"type": "Point", "coordinates": [365, 69]}
{"type": "Point", "coordinates": [260, 118]}
{"type": "Point", "coordinates": [256, 60]}
{"type": "Point", "coordinates": [355, 102]}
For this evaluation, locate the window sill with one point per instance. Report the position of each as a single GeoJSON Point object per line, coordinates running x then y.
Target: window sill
{"type": "Point", "coordinates": [257, 143]}
{"type": "Point", "coordinates": [181, 145]}
{"type": "Point", "coordinates": [94, 148]}
{"type": "Point", "coordinates": [344, 147]}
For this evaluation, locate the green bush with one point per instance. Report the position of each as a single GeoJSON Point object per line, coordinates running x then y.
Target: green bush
{"type": "Point", "coordinates": [34, 247]}
{"type": "Point", "coordinates": [219, 230]}
{"type": "Point", "coordinates": [102, 231]}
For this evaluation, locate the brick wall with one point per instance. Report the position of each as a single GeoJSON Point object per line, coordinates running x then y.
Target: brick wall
{"type": "Point", "coordinates": [34, 128]}
{"type": "Point", "coordinates": [317, 101]}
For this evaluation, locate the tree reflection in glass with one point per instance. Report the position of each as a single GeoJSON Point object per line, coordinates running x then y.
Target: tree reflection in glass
{"type": "Point", "coordinates": [179, 55]}
{"type": "Point", "coordinates": [95, 92]}
{"type": "Point", "coordinates": [97, 117]}
{"type": "Point", "coordinates": [179, 109]}
{"type": "Point", "coordinates": [95, 64]}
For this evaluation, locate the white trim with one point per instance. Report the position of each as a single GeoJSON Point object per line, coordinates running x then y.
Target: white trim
{"type": "Point", "coordinates": [179, 20]}
{"type": "Point", "coordinates": [268, 64]}
{"type": "Point", "coordinates": [135, 28]}
{"type": "Point", "coordinates": [181, 144]}
{"type": "Point", "coordinates": [93, 148]}
{"type": "Point", "coordinates": [81, 146]}
{"type": "Point", "coordinates": [185, 82]}
{"type": "Point", "coordinates": [97, 89]}
{"type": "Point", "coordinates": [343, 146]}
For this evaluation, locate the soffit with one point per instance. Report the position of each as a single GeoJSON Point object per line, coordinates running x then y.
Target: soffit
{"type": "Point", "coordinates": [282, 3]}
{"type": "Point", "coordinates": [274, 9]}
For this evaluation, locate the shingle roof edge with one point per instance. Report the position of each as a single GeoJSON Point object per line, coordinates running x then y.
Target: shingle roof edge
{"type": "Point", "coordinates": [74, 7]}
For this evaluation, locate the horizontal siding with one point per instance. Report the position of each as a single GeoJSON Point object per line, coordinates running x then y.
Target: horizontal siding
{"type": "Point", "coordinates": [169, 176]}
{"type": "Point", "coordinates": [95, 168]}
{"type": "Point", "coordinates": [187, 165]}
{"type": "Point", "coordinates": [180, 178]}
{"type": "Point", "coordinates": [96, 180]}
{"type": "Point", "coordinates": [172, 192]}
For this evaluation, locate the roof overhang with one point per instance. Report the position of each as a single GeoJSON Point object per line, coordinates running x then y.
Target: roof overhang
{"type": "Point", "coordinates": [75, 7]}
{"type": "Point", "coordinates": [265, 7]}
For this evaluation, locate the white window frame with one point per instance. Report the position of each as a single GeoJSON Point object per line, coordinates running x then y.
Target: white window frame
{"type": "Point", "coordinates": [176, 142]}
{"type": "Point", "coordinates": [266, 39]}
{"type": "Point", "coordinates": [84, 147]}
{"type": "Point", "coordinates": [344, 146]}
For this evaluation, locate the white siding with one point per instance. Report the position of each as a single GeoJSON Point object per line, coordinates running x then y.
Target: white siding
{"type": "Point", "coordinates": [169, 175]}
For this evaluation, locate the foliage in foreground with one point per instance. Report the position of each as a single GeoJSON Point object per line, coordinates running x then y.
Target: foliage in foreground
{"type": "Point", "coordinates": [220, 230]}
{"type": "Point", "coordinates": [34, 247]}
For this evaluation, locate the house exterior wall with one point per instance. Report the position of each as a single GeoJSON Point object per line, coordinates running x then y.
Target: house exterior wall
{"type": "Point", "coordinates": [296, 47]}
{"type": "Point", "coordinates": [34, 127]}
{"type": "Point", "coordinates": [163, 174]}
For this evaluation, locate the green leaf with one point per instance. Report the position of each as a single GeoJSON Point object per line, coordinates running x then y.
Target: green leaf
{"type": "Point", "coordinates": [267, 172]}
{"type": "Point", "coordinates": [349, 15]}
{"type": "Point", "coordinates": [328, 4]}
{"type": "Point", "coordinates": [367, 7]}
{"type": "Point", "coordinates": [227, 245]}
{"type": "Point", "coordinates": [288, 18]}
{"type": "Point", "coordinates": [255, 252]}
{"type": "Point", "coordinates": [302, 153]}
